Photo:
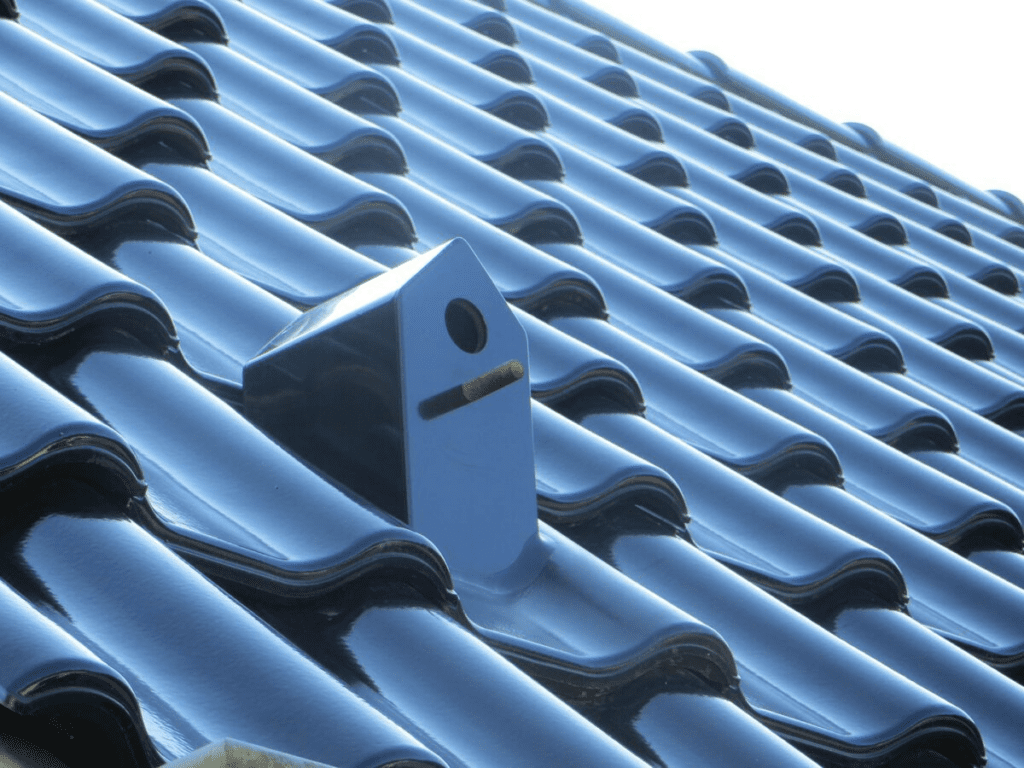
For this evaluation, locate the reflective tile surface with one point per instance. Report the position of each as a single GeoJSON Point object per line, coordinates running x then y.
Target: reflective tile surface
{"type": "Point", "coordinates": [472, 384]}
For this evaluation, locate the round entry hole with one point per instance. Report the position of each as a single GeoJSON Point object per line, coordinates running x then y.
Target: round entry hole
{"type": "Point", "coordinates": [465, 325]}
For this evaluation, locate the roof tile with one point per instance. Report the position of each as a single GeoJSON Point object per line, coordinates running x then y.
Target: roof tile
{"type": "Point", "coordinates": [746, 311]}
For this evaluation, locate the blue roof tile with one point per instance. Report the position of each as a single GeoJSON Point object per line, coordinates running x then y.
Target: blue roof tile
{"type": "Point", "coordinates": [296, 57]}
{"type": "Point", "coordinates": [72, 187]}
{"type": "Point", "coordinates": [335, 28]}
{"type": "Point", "coordinates": [247, 236]}
{"type": "Point", "coordinates": [371, 10]}
{"type": "Point", "coordinates": [747, 527]}
{"type": "Point", "coordinates": [152, 617]}
{"type": "Point", "coordinates": [175, 19]}
{"type": "Point", "coordinates": [50, 288]}
{"type": "Point", "coordinates": [90, 102]}
{"type": "Point", "coordinates": [799, 679]}
{"type": "Point", "coordinates": [466, 44]}
{"type": "Point", "coordinates": [742, 460]}
{"type": "Point", "coordinates": [296, 183]}
{"type": "Point", "coordinates": [47, 435]}
{"type": "Point", "coordinates": [501, 145]}
{"type": "Point", "coordinates": [122, 47]}
{"type": "Point", "coordinates": [291, 113]}
{"type": "Point", "coordinates": [471, 84]}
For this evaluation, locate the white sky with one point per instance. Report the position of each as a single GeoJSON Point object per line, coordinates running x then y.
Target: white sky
{"type": "Point", "coordinates": [941, 79]}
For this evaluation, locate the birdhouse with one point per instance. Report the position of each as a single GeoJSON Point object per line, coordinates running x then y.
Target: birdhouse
{"type": "Point", "coordinates": [413, 390]}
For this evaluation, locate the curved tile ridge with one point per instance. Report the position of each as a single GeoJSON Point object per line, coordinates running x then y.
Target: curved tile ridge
{"type": "Point", "coordinates": [472, 15]}
{"type": "Point", "coordinates": [993, 311]}
{"type": "Point", "coordinates": [806, 269]}
{"type": "Point", "coordinates": [144, 611]}
{"type": "Point", "coordinates": [680, 330]}
{"type": "Point", "coordinates": [568, 375]}
{"type": "Point", "coordinates": [561, 28]}
{"type": "Point", "coordinates": [47, 672]}
{"type": "Point", "coordinates": [481, 135]}
{"type": "Point", "coordinates": [740, 200]}
{"type": "Point", "coordinates": [731, 739]}
{"type": "Point", "coordinates": [1008, 346]}
{"type": "Point", "coordinates": [222, 319]}
{"type": "Point", "coordinates": [1008, 255]}
{"type": "Point", "coordinates": [982, 390]}
{"type": "Point", "coordinates": [494, 26]}
{"type": "Point", "coordinates": [814, 197]}
{"type": "Point", "coordinates": [509, 65]}
{"type": "Point", "coordinates": [573, 61]}
{"type": "Point", "coordinates": [793, 157]}
{"type": "Point", "coordinates": [915, 210]}
{"type": "Point", "coordinates": [713, 67]}
{"type": "Point", "coordinates": [868, 258]}
{"type": "Point", "coordinates": [93, 103]}
{"type": "Point", "coordinates": [336, 28]}
{"type": "Point", "coordinates": [822, 326]}
{"type": "Point", "coordinates": [400, 637]}
{"type": "Point", "coordinates": [829, 711]}
{"type": "Point", "coordinates": [68, 185]}
{"type": "Point", "coordinates": [854, 397]}
{"type": "Point", "coordinates": [801, 681]}
{"type": "Point", "coordinates": [926, 249]}
{"type": "Point", "coordinates": [929, 320]}
{"type": "Point", "coordinates": [525, 275]}
{"type": "Point", "coordinates": [981, 613]}
{"type": "Point", "coordinates": [711, 118]}
{"type": "Point", "coordinates": [629, 646]}
{"type": "Point", "coordinates": [582, 478]}
{"type": "Point", "coordinates": [990, 699]}
{"type": "Point", "coordinates": [781, 126]}
{"type": "Point", "coordinates": [654, 208]}
{"type": "Point", "coordinates": [306, 62]}
{"type": "Point", "coordinates": [616, 147]}
{"type": "Point", "coordinates": [694, 144]}
{"type": "Point", "coordinates": [680, 222]}
{"type": "Point", "coordinates": [889, 153]}
{"type": "Point", "coordinates": [982, 442]}
{"type": "Point", "coordinates": [45, 436]}
{"type": "Point", "coordinates": [675, 268]}
{"type": "Point", "coordinates": [469, 83]}
{"type": "Point", "coordinates": [682, 136]}
{"type": "Point", "coordinates": [398, 640]}
{"type": "Point", "coordinates": [178, 20]}
{"type": "Point", "coordinates": [1000, 276]}
{"type": "Point", "coordinates": [376, 11]}
{"type": "Point", "coordinates": [710, 417]}
{"type": "Point", "coordinates": [431, 26]}
{"type": "Point", "coordinates": [120, 46]}
{"type": "Point", "coordinates": [218, 486]}
{"type": "Point", "coordinates": [674, 77]}
{"type": "Point", "coordinates": [975, 263]}
{"type": "Point", "coordinates": [481, 190]}
{"type": "Point", "coordinates": [781, 549]}
{"type": "Point", "coordinates": [318, 126]}
{"type": "Point", "coordinates": [317, 194]}
{"type": "Point", "coordinates": [894, 178]}
{"type": "Point", "coordinates": [982, 218]}
{"type": "Point", "coordinates": [248, 237]}
{"type": "Point", "coordinates": [49, 288]}
{"type": "Point", "coordinates": [916, 495]}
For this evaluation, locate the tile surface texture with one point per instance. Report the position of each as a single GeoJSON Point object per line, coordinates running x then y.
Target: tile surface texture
{"type": "Point", "coordinates": [471, 384]}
